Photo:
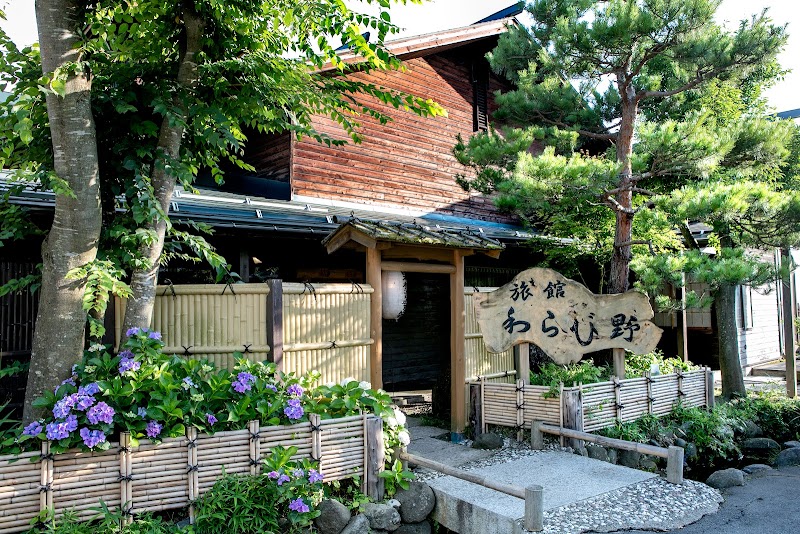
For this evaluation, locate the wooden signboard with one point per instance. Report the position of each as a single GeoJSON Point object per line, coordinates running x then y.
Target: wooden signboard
{"type": "Point", "coordinates": [563, 318]}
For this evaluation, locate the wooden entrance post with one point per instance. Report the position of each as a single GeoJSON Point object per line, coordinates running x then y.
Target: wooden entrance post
{"type": "Point", "coordinates": [458, 401]}
{"type": "Point", "coordinates": [788, 301]}
{"type": "Point", "coordinates": [375, 318]}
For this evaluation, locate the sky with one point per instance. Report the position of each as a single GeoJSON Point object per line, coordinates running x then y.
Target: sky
{"type": "Point", "coordinates": [438, 15]}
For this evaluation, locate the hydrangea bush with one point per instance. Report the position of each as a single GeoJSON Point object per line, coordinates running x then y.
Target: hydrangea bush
{"type": "Point", "coordinates": [153, 396]}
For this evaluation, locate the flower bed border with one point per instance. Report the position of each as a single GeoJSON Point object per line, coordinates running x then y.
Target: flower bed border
{"type": "Point", "coordinates": [173, 473]}
{"type": "Point", "coordinates": [588, 407]}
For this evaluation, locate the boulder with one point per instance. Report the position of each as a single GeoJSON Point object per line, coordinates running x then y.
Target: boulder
{"type": "Point", "coordinates": [680, 442]}
{"type": "Point", "coordinates": [753, 469]}
{"type": "Point", "coordinates": [333, 517]}
{"type": "Point", "coordinates": [629, 458]}
{"type": "Point", "coordinates": [726, 478]}
{"type": "Point", "coordinates": [394, 503]}
{"type": "Point", "coordinates": [648, 464]}
{"type": "Point", "coordinates": [596, 452]}
{"type": "Point", "coordinates": [791, 444]}
{"type": "Point", "coordinates": [612, 456]}
{"type": "Point", "coordinates": [581, 451]}
{"type": "Point", "coordinates": [488, 441]}
{"type": "Point", "coordinates": [752, 430]}
{"type": "Point", "coordinates": [415, 528]}
{"type": "Point", "coordinates": [788, 457]}
{"type": "Point", "coordinates": [760, 447]}
{"type": "Point", "coordinates": [416, 503]}
{"type": "Point", "coordinates": [357, 525]}
{"type": "Point", "coordinates": [690, 451]}
{"type": "Point", "coordinates": [382, 516]}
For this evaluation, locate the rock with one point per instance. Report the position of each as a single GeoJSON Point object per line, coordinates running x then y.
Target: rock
{"type": "Point", "coordinates": [788, 457]}
{"type": "Point", "coordinates": [416, 503]}
{"type": "Point", "coordinates": [357, 525]}
{"type": "Point", "coordinates": [488, 441]}
{"type": "Point", "coordinates": [597, 452]}
{"type": "Point", "coordinates": [752, 430]}
{"type": "Point", "coordinates": [753, 469]}
{"type": "Point", "coordinates": [680, 442]}
{"type": "Point", "coordinates": [612, 456]}
{"type": "Point", "coordinates": [791, 444]}
{"type": "Point", "coordinates": [690, 451]}
{"type": "Point", "coordinates": [760, 447]}
{"type": "Point", "coordinates": [414, 528]}
{"type": "Point", "coordinates": [394, 503]}
{"type": "Point", "coordinates": [648, 464]}
{"type": "Point", "coordinates": [333, 517]}
{"type": "Point", "coordinates": [382, 516]}
{"type": "Point", "coordinates": [581, 451]}
{"type": "Point", "coordinates": [726, 478]}
{"type": "Point", "coordinates": [629, 459]}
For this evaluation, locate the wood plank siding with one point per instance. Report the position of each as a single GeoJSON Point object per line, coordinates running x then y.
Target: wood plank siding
{"type": "Point", "coordinates": [407, 163]}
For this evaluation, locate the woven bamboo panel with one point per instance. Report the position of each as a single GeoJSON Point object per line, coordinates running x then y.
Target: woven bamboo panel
{"type": "Point", "coordinates": [541, 408]}
{"type": "Point", "coordinates": [82, 479]}
{"type": "Point", "coordinates": [477, 359]}
{"type": "Point", "coordinates": [500, 404]}
{"type": "Point", "coordinates": [326, 328]}
{"type": "Point", "coordinates": [19, 491]}
{"type": "Point", "coordinates": [342, 446]}
{"type": "Point", "coordinates": [160, 478]}
{"type": "Point", "coordinates": [298, 435]}
{"type": "Point", "coordinates": [211, 324]}
{"type": "Point", "coordinates": [224, 452]}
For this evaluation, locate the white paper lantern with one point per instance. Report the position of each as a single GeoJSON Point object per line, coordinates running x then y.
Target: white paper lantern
{"type": "Point", "coordinates": [393, 287]}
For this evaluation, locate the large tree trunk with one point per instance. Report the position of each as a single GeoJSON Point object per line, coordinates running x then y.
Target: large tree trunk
{"type": "Point", "coordinates": [72, 241]}
{"type": "Point", "coordinates": [139, 309]}
{"type": "Point", "coordinates": [729, 363]}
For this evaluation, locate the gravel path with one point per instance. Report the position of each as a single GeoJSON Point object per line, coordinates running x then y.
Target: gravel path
{"type": "Point", "coordinates": [653, 504]}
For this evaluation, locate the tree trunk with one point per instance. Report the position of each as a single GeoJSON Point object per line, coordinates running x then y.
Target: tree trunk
{"type": "Point", "coordinates": [72, 241]}
{"type": "Point", "coordinates": [730, 365]}
{"type": "Point", "coordinates": [139, 309]}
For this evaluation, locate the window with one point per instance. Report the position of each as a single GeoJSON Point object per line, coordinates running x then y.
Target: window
{"type": "Point", "coordinates": [480, 91]}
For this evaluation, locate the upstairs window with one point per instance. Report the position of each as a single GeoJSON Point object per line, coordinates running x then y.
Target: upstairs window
{"type": "Point", "coordinates": [480, 92]}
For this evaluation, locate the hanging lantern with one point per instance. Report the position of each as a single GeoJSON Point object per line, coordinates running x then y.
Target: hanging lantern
{"type": "Point", "coordinates": [393, 287]}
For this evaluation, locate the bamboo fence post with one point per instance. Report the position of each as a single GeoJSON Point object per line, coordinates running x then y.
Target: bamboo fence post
{"type": "Point", "coordinates": [125, 484]}
{"type": "Point", "coordinates": [679, 377]}
{"type": "Point", "coordinates": [709, 388]}
{"type": "Point", "coordinates": [561, 439]}
{"type": "Point", "coordinates": [316, 439]}
{"type": "Point", "coordinates": [364, 419]}
{"type": "Point", "coordinates": [573, 413]}
{"type": "Point", "coordinates": [375, 458]}
{"type": "Point", "coordinates": [520, 390]}
{"type": "Point", "coordinates": [649, 381]}
{"type": "Point", "coordinates": [255, 447]}
{"type": "Point", "coordinates": [274, 322]}
{"type": "Point", "coordinates": [483, 404]}
{"type": "Point", "coordinates": [191, 456]}
{"type": "Point", "coordinates": [476, 408]}
{"type": "Point", "coordinates": [46, 487]}
{"type": "Point", "coordinates": [617, 404]}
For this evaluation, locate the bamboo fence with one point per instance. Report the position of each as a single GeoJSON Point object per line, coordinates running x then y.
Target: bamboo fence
{"type": "Point", "coordinates": [153, 476]}
{"type": "Point", "coordinates": [603, 404]}
{"type": "Point", "coordinates": [480, 362]}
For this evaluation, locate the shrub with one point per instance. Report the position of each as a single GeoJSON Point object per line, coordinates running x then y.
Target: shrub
{"type": "Point", "coordinates": [637, 365]}
{"type": "Point", "coordinates": [583, 372]}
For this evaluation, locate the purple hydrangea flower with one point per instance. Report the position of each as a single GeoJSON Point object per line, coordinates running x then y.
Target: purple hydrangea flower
{"type": "Point", "coordinates": [188, 383]}
{"type": "Point", "coordinates": [132, 331]}
{"type": "Point", "coordinates": [244, 382]}
{"type": "Point", "coordinates": [298, 473]}
{"type": "Point", "coordinates": [153, 429]}
{"type": "Point", "coordinates": [70, 381]}
{"type": "Point", "coordinates": [210, 418]}
{"type": "Point", "coordinates": [92, 438]}
{"type": "Point", "coordinates": [101, 412]}
{"type": "Point", "coordinates": [296, 390]}
{"type": "Point", "coordinates": [63, 407]}
{"type": "Point", "coordinates": [33, 429]}
{"type": "Point", "coordinates": [71, 423]}
{"type": "Point", "coordinates": [293, 411]}
{"type": "Point", "coordinates": [298, 505]}
{"type": "Point", "coordinates": [154, 335]}
{"type": "Point", "coordinates": [282, 479]}
{"type": "Point", "coordinates": [270, 386]}
{"type": "Point", "coordinates": [314, 476]}
{"type": "Point", "coordinates": [128, 364]}
{"type": "Point", "coordinates": [90, 389]}
{"type": "Point", "coordinates": [273, 475]}
{"type": "Point", "coordinates": [83, 402]}
{"type": "Point", "coordinates": [60, 430]}
{"type": "Point", "coordinates": [141, 412]}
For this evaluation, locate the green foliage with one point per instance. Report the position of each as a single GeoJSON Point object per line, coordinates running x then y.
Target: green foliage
{"type": "Point", "coordinates": [777, 415]}
{"type": "Point", "coordinates": [261, 503]}
{"type": "Point", "coordinates": [107, 521]}
{"type": "Point", "coordinates": [396, 476]}
{"type": "Point", "coordinates": [583, 372]}
{"type": "Point", "coordinates": [637, 365]}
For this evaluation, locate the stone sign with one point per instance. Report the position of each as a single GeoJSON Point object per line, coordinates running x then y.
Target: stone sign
{"type": "Point", "coordinates": [563, 318]}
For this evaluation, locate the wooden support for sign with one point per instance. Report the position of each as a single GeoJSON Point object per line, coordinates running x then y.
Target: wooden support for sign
{"type": "Point", "coordinates": [619, 363]}
{"type": "Point", "coordinates": [476, 408]}
{"type": "Point", "coordinates": [375, 318]}
{"type": "Point", "coordinates": [457, 349]}
{"type": "Point", "coordinates": [375, 458]}
{"type": "Point", "coordinates": [522, 362]}
{"type": "Point", "coordinates": [274, 322]}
